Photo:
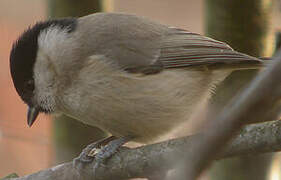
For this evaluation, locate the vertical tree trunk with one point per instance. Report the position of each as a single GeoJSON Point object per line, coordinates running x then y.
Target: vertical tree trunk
{"type": "Point", "coordinates": [245, 25]}
{"type": "Point", "coordinates": [71, 136]}
{"type": "Point", "coordinates": [65, 8]}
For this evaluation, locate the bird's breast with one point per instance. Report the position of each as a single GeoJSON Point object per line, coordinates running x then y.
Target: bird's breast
{"type": "Point", "coordinates": [144, 106]}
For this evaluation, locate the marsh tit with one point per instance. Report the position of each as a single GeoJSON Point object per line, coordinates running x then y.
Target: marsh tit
{"type": "Point", "coordinates": [129, 76]}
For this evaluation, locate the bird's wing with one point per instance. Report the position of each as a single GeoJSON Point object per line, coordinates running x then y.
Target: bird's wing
{"type": "Point", "coordinates": [139, 45]}
{"type": "Point", "coordinates": [182, 49]}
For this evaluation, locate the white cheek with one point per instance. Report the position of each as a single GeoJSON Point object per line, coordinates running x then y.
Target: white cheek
{"type": "Point", "coordinates": [51, 44]}
{"type": "Point", "coordinates": [44, 79]}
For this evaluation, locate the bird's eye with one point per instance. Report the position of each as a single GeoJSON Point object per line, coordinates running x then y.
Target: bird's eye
{"type": "Point", "coordinates": [29, 84]}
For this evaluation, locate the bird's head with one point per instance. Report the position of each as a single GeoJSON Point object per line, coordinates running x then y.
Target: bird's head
{"type": "Point", "coordinates": [23, 58]}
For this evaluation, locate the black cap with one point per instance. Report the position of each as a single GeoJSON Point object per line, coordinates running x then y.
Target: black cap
{"type": "Point", "coordinates": [24, 52]}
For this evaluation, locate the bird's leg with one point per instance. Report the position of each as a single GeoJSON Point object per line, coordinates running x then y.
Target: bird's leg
{"type": "Point", "coordinates": [87, 155]}
{"type": "Point", "coordinates": [101, 150]}
{"type": "Point", "coordinates": [110, 149]}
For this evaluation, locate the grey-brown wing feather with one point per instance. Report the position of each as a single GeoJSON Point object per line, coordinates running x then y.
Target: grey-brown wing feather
{"type": "Point", "coordinates": [137, 44]}
{"type": "Point", "coordinates": [186, 49]}
{"type": "Point", "coordinates": [182, 49]}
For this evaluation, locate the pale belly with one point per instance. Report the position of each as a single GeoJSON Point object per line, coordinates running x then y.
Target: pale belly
{"type": "Point", "coordinates": [142, 107]}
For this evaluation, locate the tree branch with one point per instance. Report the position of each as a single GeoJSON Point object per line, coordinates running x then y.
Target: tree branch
{"type": "Point", "coordinates": [145, 160]}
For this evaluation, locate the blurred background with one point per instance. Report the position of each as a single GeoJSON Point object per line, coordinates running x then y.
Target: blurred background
{"type": "Point", "coordinates": [26, 150]}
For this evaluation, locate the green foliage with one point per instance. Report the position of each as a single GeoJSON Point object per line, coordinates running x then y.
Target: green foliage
{"type": "Point", "coordinates": [13, 175]}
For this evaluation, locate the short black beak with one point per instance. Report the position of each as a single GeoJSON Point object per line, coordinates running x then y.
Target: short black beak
{"type": "Point", "coordinates": [32, 115]}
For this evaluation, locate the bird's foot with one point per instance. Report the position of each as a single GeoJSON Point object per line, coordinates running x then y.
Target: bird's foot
{"type": "Point", "coordinates": [107, 151]}
{"type": "Point", "coordinates": [88, 154]}
{"type": "Point", "coordinates": [100, 151]}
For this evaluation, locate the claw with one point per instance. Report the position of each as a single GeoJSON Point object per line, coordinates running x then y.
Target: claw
{"type": "Point", "coordinates": [94, 152]}
{"type": "Point", "coordinates": [100, 151]}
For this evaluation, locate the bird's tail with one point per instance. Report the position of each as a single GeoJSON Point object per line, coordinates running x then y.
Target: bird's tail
{"type": "Point", "coordinates": [256, 63]}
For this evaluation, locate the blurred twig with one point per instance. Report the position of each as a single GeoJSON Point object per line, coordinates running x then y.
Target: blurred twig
{"type": "Point", "coordinates": [143, 161]}
{"type": "Point", "coordinates": [225, 21]}
{"type": "Point", "coordinates": [264, 91]}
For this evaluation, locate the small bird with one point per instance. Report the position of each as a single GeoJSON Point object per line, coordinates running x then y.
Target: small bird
{"type": "Point", "coordinates": [127, 75]}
